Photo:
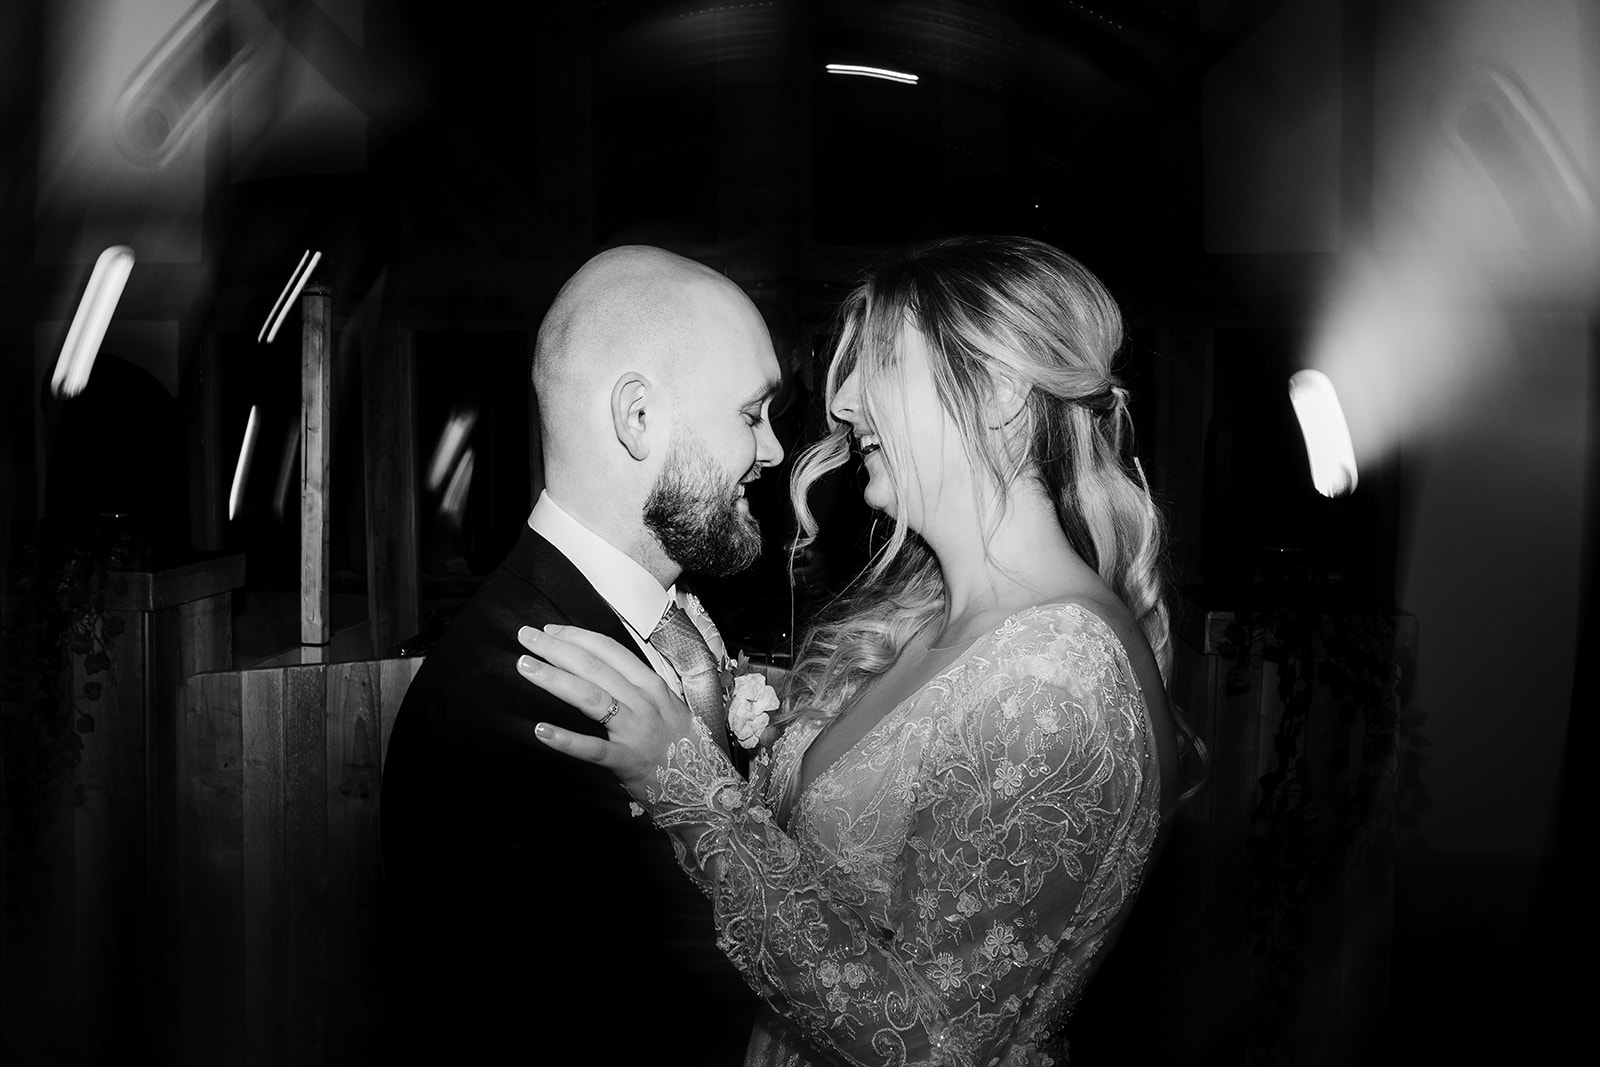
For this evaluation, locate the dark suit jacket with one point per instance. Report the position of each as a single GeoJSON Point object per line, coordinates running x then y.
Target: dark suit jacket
{"type": "Point", "coordinates": [526, 912]}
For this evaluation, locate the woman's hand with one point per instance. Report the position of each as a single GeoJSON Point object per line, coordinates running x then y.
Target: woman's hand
{"type": "Point", "coordinates": [606, 682]}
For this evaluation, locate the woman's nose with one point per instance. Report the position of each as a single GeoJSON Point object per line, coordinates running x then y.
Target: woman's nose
{"type": "Point", "coordinates": [846, 404]}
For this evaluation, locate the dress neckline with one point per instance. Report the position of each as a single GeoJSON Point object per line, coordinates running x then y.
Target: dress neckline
{"type": "Point", "coordinates": [894, 713]}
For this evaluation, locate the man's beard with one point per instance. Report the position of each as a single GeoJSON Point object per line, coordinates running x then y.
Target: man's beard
{"type": "Point", "coordinates": [699, 523]}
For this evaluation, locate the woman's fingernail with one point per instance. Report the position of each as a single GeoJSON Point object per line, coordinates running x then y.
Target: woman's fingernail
{"type": "Point", "coordinates": [528, 665]}
{"type": "Point", "coordinates": [554, 629]}
{"type": "Point", "coordinates": [529, 636]}
{"type": "Point", "coordinates": [543, 731]}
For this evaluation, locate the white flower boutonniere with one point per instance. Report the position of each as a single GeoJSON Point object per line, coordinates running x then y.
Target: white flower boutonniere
{"type": "Point", "coordinates": [728, 669]}
{"type": "Point", "coordinates": [748, 705]}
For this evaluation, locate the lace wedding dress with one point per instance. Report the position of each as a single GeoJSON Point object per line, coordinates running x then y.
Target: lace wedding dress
{"type": "Point", "coordinates": [942, 892]}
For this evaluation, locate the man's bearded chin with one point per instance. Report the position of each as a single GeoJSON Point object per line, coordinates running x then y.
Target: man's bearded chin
{"type": "Point", "coordinates": [697, 522]}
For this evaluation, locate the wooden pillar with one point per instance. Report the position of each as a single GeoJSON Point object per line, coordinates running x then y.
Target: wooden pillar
{"type": "Point", "coordinates": [184, 616]}
{"type": "Point", "coordinates": [388, 393]}
{"type": "Point", "coordinates": [208, 455]}
{"type": "Point", "coordinates": [316, 390]}
{"type": "Point", "coordinates": [87, 948]}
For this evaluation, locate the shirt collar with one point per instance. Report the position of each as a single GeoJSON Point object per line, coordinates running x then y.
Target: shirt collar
{"type": "Point", "coordinates": [633, 592]}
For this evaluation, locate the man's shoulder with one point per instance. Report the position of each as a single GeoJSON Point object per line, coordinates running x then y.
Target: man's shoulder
{"type": "Point", "coordinates": [468, 683]}
{"type": "Point", "coordinates": [474, 662]}
{"type": "Point", "coordinates": [534, 586]}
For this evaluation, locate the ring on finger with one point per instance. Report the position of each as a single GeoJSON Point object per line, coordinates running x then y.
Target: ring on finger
{"type": "Point", "coordinates": [611, 710]}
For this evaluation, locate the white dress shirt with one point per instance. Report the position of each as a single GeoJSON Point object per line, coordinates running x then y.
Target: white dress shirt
{"type": "Point", "coordinates": [633, 592]}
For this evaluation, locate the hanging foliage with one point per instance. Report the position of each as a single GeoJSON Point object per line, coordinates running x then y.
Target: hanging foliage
{"type": "Point", "coordinates": [54, 627]}
{"type": "Point", "coordinates": [1317, 821]}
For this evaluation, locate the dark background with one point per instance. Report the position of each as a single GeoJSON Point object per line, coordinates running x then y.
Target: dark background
{"type": "Point", "coordinates": [1221, 164]}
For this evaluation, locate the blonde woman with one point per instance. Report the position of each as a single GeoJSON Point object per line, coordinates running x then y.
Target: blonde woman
{"type": "Point", "coordinates": [975, 763]}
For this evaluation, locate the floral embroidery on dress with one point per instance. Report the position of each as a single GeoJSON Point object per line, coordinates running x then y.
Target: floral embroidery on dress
{"type": "Point", "coordinates": [942, 892]}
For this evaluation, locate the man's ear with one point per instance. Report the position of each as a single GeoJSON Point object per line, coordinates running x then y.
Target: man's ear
{"type": "Point", "coordinates": [628, 401]}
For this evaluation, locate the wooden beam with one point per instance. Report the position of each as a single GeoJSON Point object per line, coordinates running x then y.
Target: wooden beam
{"type": "Point", "coordinates": [183, 584]}
{"type": "Point", "coordinates": [316, 437]}
{"type": "Point", "coordinates": [389, 447]}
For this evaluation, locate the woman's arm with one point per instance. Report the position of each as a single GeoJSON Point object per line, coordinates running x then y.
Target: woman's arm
{"type": "Point", "coordinates": [1027, 795]}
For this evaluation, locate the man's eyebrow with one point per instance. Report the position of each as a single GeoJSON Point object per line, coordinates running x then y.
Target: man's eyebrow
{"type": "Point", "coordinates": [766, 392]}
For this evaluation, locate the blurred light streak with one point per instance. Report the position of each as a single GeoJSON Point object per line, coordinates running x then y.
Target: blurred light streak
{"type": "Point", "coordinates": [241, 470]}
{"type": "Point", "coordinates": [455, 496]}
{"type": "Point", "coordinates": [1495, 126]}
{"type": "Point", "coordinates": [743, 42]}
{"type": "Point", "coordinates": [89, 323]}
{"type": "Point", "coordinates": [283, 294]}
{"type": "Point", "coordinates": [291, 292]}
{"type": "Point", "coordinates": [180, 86]}
{"type": "Point", "coordinates": [1488, 215]}
{"type": "Point", "coordinates": [1411, 340]}
{"type": "Point", "coordinates": [1327, 436]}
{"type": "Point", "coordinates": [91, 188]}
{"type": "Point", "coordinates": [451, 440]}
{"type": "Point", "coordinates": [872, 72]}
{"type": "Point", "coordinates": [286, 469]}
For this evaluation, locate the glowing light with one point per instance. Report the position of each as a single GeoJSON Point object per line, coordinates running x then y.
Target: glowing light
{"type": "Point", "coordinates": [1528, 172]}
{"type": "Point", "coordinates": [291, 292]}
{"type": "Point", "coordinates": [283, 294]}
{"type": "Point", "coordinates": [1333, 458]}
{"type": "Point", "coordinates": [450, 443]}
{"type": "Point", "coordinates": [1485, 209]}
{"type": "Point", "coordinates": [286, 471]}
{"type": "Point", "coordinates": [455, 496]}
{"type": "Point", "coordinates": [872, 72]}
{"type": "Point", "coordinates": [89, 324]}
{"type": "Point", "coordinates": [160, 108]}
{"type": "Point", "coordinates": [241, 471]}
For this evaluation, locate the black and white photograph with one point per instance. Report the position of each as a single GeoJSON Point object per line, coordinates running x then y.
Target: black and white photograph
{"type": "Point", "coordinates": [798, 533]}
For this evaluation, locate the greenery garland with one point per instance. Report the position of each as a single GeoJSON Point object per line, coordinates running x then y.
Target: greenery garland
{"type": "Point", "coordinates": [52, 612]}
{"type": "Point", "coordinates": [1374, 797]}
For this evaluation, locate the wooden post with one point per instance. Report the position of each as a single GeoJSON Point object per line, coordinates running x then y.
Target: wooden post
{"type": "Point", "coordinates": [315, 439]}
{"type": "Point", "coordinates": [91, 919]}
{"type": "Point", "coordinates": [388, 392]}
{"type": "Point", "coordinates": [208, 455]}
{"type": "Point", "coordinates": [175, 623]}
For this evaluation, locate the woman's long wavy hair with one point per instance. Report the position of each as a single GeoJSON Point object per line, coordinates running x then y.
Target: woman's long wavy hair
{"type": "Point", "coordinates": [994, 313]}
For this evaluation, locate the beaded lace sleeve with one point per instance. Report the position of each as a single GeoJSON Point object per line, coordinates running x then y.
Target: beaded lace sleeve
{"type": "Point", "coordinates": [1028, 814]}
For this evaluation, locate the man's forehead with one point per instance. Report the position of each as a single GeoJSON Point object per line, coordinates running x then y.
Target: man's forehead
{"type": "Point", "coordinates": [729, 377]}
{"type": "Point", "coordinates": [767, 390]}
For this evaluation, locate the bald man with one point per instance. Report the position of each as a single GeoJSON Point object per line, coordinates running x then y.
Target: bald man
{"type": "Point", "coordinates": [527, 913]}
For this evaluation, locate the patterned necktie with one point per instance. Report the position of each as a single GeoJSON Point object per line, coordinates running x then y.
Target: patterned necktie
{"type": "Point", "coordinates": [677, 638]}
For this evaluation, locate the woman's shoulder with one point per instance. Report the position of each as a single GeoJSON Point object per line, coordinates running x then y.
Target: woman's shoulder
{"type": "Point", "coordinates": [1067, 622]}
{"type": "Point", "coordinates": [1093, 656]}
{"type": "Point", "coordinates": [1073, 640]}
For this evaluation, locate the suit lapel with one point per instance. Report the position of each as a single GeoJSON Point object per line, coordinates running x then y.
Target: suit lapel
{"type": "Point", "coordinates": [540, 564]}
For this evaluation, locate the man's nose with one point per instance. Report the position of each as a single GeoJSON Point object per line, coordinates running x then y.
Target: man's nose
{"type": "Point", "coordinates": [769, 450]}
